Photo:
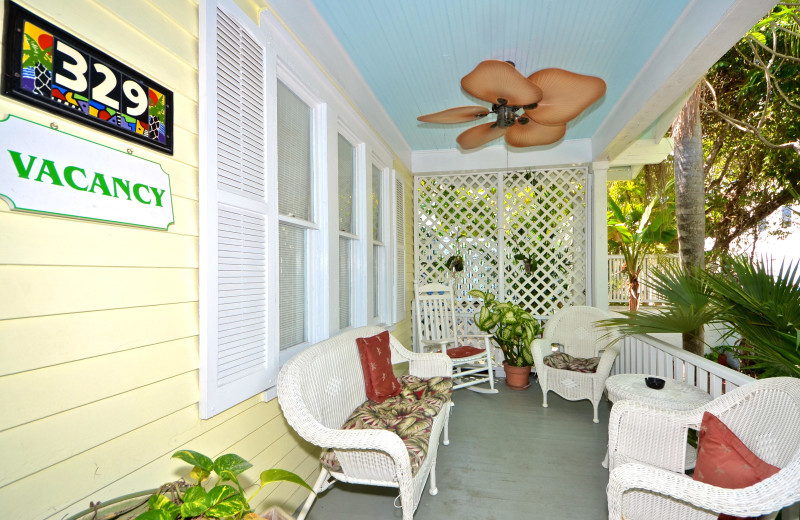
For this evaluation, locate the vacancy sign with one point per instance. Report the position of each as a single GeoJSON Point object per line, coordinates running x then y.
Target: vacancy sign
{"type": "Point", "coordinates": [48, 171]}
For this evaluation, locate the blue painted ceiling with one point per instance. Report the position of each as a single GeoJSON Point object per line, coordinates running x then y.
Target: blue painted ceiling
{"type": "Point", "coordinates": [413, 53]}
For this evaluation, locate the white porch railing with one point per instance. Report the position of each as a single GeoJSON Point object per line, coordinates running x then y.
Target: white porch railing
{"type": "Point", "coordinates": [643, 354]}
{"type": "Point", "coordinates": [618, 279]}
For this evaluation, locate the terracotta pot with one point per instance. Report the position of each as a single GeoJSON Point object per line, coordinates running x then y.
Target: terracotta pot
{"type": "Point", "coordinates": [517, 378]}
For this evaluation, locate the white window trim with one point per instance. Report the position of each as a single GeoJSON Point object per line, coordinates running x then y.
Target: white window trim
{"type": "Point", "coordinates": [385, 274]}
{"type": "Point", "coordinates": [359, 246]}
{"type": "Point", "coordinates": [317, 261]}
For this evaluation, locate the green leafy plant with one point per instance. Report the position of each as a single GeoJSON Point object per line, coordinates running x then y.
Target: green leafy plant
{"type": "Point", "coordinates": [759, 305]}
{"type": "Point", "coordinates": [656, 226]}
{"type": "Point", "coordinates": [222, 500]}
{"type": "Point", "coordinates": [512, 327]}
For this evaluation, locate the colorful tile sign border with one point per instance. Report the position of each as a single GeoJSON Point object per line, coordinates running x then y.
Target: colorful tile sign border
{"type": "Point", "coordinates": [51, 69]}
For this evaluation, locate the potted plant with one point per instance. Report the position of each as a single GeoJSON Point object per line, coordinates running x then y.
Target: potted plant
{"type": "Point", "coordinates": [513, 329]}
{"type": "Point", "coordinates": [179, 501]}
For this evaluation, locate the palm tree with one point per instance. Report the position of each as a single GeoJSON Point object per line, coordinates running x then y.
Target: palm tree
{"type": "Point", "coordinates": [656, 226]}
{"type": "Point", "coordinates": [759, 305]}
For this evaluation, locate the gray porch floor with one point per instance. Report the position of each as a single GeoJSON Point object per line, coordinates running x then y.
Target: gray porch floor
{"type": "Point", "coordinates": [508, 459]}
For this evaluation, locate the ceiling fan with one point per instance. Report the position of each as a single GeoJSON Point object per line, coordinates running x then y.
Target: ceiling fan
{"type": "Point", "coordinates": [549, 98]}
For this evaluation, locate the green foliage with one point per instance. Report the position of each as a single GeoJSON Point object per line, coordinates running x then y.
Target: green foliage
{"type": "Point", "coordinates": [222, 500]}
{"type": "Point", "coordinates": [751, 126]}
{"type": "Point", "coordinates": [760, 306]}
{"type": "Point", "coordinates": [512, 327]}
{"type": "Point", "coordinates": [764, 309]}
{"type": "Point", "coordinates": [635, 239]}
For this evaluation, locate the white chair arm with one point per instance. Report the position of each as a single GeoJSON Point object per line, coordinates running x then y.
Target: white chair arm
{"type": "Point", "coordinates": [638, 432]}
{"type": "Point", "coordinates": [540, 348]}
{"type": "Point", "coordinates": [607, 359]}
{"type": "Point", "coordinates": [421, 364]}
{"type": "Point", "coordinates": [750, 501]}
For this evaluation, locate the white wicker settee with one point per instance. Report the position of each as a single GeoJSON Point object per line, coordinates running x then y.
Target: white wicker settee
{"type": "Point", "coordinates": [320, 387]}
{"type": "Point", "coordinates": [647, 451]}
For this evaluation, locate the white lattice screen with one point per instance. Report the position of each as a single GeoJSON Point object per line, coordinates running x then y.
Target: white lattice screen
{"type": "Point", "coordinates": [481, 215]}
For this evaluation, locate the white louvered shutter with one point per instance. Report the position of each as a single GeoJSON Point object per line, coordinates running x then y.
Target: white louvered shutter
{"type": "Point", "coordinates": [234, 351]}
{"type": "Point", "coordinates": [400, 251]}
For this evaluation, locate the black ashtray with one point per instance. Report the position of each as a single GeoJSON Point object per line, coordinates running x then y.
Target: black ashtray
{"type": "Point", "coordinates": [656, 383]}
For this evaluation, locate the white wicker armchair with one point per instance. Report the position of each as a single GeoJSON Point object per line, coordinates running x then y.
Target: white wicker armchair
{"type": "Point", "coordinates": [320, 387]}
{"type": "Point", "coordinates": [647, 450]}
{"type": "Point", "coordinates": [575, 329]}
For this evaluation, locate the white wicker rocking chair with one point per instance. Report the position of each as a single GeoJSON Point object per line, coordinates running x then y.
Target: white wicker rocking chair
{"type": "Point", "coordinates": [576, 330]}
{"type": "Point", "coordinates": [647, 451]}
{"type": "Point", "coordinates": [436, 324]}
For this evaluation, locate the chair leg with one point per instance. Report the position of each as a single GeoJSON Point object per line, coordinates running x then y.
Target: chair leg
{"type": "Point", "coordinates": [544, 397]}
{"type": "Point", "coordinates": [433, 489]}
{"type": "Point", "coordinates": [446, 440]}
{"type": "Point", "coordinates": [319, 485]}
{"type": "Point", "coordinates": [595, 404]}
{"type": "Point", "coordinates": [407, 500]}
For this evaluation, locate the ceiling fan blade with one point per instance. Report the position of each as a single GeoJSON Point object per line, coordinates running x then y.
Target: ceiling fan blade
{"type": "Point", "coordinates": [533, 134]}
{"type": "Point", "coordinates": [455, 115]}
{"type": "Point", "coordinates": [565, 95]}
{"type": "Point", "coordinates": [479, 135]}
{"type": "Point", "coordinates": [494, 79]}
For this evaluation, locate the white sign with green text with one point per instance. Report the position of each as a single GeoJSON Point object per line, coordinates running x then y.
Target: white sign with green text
{"type": "Point", "coordinates": [49, 171]}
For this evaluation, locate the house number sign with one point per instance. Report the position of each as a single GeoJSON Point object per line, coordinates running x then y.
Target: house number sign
{"type": "Point", "coordinates": [51, 69]}
{"type": "Point", "coordinates": [48, 171]}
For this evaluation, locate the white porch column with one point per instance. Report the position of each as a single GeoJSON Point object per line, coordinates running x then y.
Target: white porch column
{"type": "Point", "coordinates": [599, 240]}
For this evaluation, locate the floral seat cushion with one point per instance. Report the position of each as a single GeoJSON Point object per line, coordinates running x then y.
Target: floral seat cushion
{"type": "Point", "coordinates": [563, 361]}
{"type": "Point", "coordinates": [409, 414]}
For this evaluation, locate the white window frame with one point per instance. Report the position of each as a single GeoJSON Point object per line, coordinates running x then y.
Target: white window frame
{"type": "Point", "coordinates": [316, 237]}
{"type": "Point", "coordinates": [358, 252]}
{"type": "Point", "coordinates": [383, 306]}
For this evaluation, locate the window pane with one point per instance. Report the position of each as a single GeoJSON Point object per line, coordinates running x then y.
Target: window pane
{"type": "Point", "coordinates": [347, 171]}
{"type": "Point", "coordinates": [377, 224]}
{"type": "Point", "coordinates": [345, 282]}
{"type": "Point", "coordinates": [294, 155]}
{"type": "Point", "coordinates": [292, 246]}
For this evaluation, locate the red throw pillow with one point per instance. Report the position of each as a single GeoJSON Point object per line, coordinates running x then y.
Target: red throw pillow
{"type": "Point", "coordinates": [376, 362]}
{"type": "Point", "coordinates": [724, 461]}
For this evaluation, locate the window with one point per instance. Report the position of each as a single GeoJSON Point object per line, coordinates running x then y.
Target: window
{"type": "Point", "coordinates": [379, 272]}
{"type": "Point", "coordinates": [296, 214]}
{"type": "Point", "coordinates": [347, 229]}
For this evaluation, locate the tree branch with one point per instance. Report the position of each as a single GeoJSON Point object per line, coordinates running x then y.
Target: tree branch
{"type": "Point", "coordinates": [746, 127]}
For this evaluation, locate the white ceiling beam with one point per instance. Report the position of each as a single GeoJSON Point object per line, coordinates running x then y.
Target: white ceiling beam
{"type": "Point", "coordinates": [700, 36]}
{"type": "Point", "coordinates": [570, 152]}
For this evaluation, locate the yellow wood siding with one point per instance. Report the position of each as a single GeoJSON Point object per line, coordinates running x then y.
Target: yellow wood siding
{"type": "Point", "coordinates": [99, 322]}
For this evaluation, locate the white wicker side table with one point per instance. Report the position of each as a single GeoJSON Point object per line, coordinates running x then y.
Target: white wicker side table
{"type": "Point", "coordinates": [676, 395]}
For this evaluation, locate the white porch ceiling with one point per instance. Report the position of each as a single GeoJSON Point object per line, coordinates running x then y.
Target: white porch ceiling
{"type": "Point", "coordinates": [398, 59]}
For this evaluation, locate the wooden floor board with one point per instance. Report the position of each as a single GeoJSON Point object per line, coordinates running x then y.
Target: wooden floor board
{"type": "Point", "coordinates": [508, 459]}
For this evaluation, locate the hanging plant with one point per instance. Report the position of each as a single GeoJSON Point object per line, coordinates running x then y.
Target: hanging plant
{"type": "Point", "coordinates": [529, 263]}
{"type": "Point", "coordinates": [455, 262]}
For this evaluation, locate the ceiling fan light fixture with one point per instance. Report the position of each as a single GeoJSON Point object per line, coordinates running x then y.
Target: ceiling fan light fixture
{"type": "Point", "coordinates": [550, 98]}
